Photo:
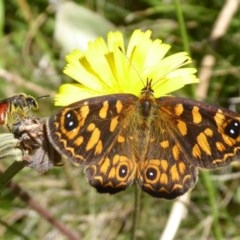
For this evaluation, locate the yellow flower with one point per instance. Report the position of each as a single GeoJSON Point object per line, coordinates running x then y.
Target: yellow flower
{"type": "Point", "coordinates": [109, 68]}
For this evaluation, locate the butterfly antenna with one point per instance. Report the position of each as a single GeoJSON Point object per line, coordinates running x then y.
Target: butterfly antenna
{"type": "Point", "coordinates": [131, 64]}
{"type": "Point", "coordinates": [154, 83]}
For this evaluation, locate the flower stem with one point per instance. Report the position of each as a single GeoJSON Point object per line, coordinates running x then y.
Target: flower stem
{"type": "Point", "coordinates": [136, 212]}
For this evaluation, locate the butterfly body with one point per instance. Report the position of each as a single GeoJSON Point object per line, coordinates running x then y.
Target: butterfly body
{"type": "Point", "coordinates": [157, 142]}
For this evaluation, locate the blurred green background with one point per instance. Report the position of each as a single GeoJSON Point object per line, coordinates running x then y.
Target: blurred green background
{"type": "Point", "coordinates": [35, 36]}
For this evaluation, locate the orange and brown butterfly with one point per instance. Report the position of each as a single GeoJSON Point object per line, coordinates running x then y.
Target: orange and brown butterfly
{"type": "Point", "coordinates": [16, 108]}
{"type": "Point", "coordinates": [159, 142]}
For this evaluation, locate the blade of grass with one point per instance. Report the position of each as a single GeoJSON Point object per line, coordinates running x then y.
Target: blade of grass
{"type": "Point", "coordinates": [215, 211]}
{"type": "Point", "coordinates": [11, 171]}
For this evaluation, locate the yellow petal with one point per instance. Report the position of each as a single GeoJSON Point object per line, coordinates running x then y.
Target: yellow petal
{"type": "Point", "coordinates": [111, 68]}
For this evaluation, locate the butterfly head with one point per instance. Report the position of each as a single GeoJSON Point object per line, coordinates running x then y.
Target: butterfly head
{"type": "Point", "coordinates": [147, 99]}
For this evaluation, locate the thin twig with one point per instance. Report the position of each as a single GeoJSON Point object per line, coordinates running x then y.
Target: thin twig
{"type": "Point", "coordinates": [17, 81]}
{"type": "Point", "coordinates": [17, 190]}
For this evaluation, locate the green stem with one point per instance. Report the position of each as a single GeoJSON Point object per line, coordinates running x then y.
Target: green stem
{"type": "Point", "coordinates": [10, 172]}
{"type": "Point", "coordinates": [184, 37]}
{"type": "Point", "coordinates": [136, 212]}
{"type": "Point", "coordinates": [183, 31]}
{"type": "Point", "coordinates": [215, 211]}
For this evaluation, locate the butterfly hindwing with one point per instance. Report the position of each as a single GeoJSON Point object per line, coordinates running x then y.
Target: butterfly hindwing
{"type": "Point", "coordinates": [166, 172]}
{"type": "Point", "coordinates": [115, 171]}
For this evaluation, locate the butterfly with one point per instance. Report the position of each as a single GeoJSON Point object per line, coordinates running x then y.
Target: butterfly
{"type": "Point", "coordinates": [159, 143]}
{"type": "Point", "coordinates": [16, 108]}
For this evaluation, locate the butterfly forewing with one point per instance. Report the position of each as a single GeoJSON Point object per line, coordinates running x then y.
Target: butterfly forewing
{"type": "Point", "coordinates": [86, 131]}
{"type": "Point", "coordinates": [210, 135]}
